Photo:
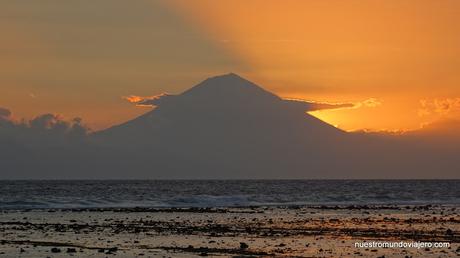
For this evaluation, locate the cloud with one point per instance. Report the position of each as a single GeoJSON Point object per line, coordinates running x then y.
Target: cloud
{"type": "Point", "coordinates": [133, 98]}
{"type": "Point", "coordinates": [440, 116]}
{"type": "Point", "coordinates": [439, 107]}
{"type": "Point", "coordinates": [371, 102]}
{"type": "Point", "coordinates": [5, 113]}
{"type": "Point", "coordinates": [304, 105]}
{"type": "Point", "coordinates": [309, 106]}
{"type": "Point", "coordinates": [148, 101]}
{"type": "Point", "coordinates": [48, 121]}
{"type": "Point", "coordinates": [49, 125]}
{"type": "Point", "coordinates": [41, 145]}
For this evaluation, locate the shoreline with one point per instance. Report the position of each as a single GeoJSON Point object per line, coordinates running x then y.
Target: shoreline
{"type": "Point", "coordinates": [303, 231]}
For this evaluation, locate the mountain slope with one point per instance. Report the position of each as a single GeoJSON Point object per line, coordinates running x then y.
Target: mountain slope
{"type": "Point", "coordinates": [224, 123]}
{"type": "Point", "coordinates": [222, 101]}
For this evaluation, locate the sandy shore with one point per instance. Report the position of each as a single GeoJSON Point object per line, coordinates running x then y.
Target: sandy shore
{"type": "Point", "coordinates": [323, 231]}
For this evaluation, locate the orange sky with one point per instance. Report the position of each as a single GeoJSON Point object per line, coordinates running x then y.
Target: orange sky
{"type": "Point", "coordinates": [80, 58]}
{"type": "Point", "coordinates": [398, 52]}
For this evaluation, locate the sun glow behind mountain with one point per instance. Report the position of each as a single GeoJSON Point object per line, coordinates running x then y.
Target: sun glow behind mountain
{"type": "Point", "coordinates": [395, 63]}
{"type": "Point", "coordinates": [398, 52]}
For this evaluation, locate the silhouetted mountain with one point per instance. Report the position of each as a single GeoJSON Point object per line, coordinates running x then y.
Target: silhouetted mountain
{"type": "Point", "coordinates": [224, 105]}
{"type": "Point", "coordinates": [224, 127]}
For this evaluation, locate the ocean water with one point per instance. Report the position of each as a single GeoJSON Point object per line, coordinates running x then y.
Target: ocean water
{"type": "Point", "coordinates": [45, 194]}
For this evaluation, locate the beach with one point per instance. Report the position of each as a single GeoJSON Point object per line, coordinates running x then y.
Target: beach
{"type": "Point", "coordinates": [279, 231]}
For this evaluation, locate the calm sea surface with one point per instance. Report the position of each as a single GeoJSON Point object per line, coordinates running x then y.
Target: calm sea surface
{"type": "Point", "coordinates": [223, 193]}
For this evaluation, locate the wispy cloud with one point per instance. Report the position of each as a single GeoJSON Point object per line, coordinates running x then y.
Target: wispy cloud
{"type": "Point", "coordinates": [368, 103]}
{"type": "Point", "coordinates": [310, 106]}
{"type": "Point", "coordinates": [439, 107]}
{"type": "Point", "coordinates": [146, 101]}
{"type": "Point", "coordinates": [371, 102]}
{"type": "Point", "coordinates": [133, 98]}
{"type": "Point", "coordinates": [440, 115]}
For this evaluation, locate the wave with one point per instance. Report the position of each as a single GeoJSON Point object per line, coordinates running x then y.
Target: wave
{"type": "Point", "coordinates": [20, 195]}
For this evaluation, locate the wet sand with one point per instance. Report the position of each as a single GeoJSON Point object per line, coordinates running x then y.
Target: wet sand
{"type": "Point", "coordinates": [313, 231]}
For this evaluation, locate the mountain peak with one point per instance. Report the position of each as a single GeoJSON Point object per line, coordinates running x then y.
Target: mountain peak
{"type": "Point", "coordinates": [229, 79]}
{"type": "Point", "coordinates": [228, 85]}
{"type": "Point", "coordinates": [228, 76]}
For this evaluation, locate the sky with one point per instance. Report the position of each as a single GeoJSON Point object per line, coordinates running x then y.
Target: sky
{"type": "Point", "coordinates": [397, 61]}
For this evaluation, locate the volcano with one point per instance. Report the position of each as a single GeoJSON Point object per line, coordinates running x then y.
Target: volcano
{"type": "Point", "coordinates": [223, 106]}
{"type": "Point", "coordinates": [225, 124]}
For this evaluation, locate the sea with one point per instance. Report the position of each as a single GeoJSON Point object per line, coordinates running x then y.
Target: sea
{"type": "Point", "coordinates": [57, 194]}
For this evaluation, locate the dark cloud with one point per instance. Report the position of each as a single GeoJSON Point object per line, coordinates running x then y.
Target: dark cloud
{"type": "Point", "coordinates": [42, 127]}
{"type": "Point", "coordinates": [46, 146]}
{"type": "Point", "coordinates": [4, 113]}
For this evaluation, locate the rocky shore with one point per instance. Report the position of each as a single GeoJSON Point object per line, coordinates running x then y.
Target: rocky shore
{"type": "Point", "coordinates": [295, 231]}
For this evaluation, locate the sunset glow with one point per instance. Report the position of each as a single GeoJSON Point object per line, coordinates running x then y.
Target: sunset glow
{"type": "Point", "coordinates": [403, 55]}
{"type": "Point", "coordinates": [397, 52]}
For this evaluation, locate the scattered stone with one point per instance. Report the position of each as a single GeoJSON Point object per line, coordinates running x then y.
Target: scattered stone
{"type": "Point", "coordinates": [71, 250]}
{"type": "Point", "coordinates": [112, 250]}
{"type": "Point", "coordinates": [55, 250]}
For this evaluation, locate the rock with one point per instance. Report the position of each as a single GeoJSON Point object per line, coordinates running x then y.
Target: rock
{"type": "Point", "coordinates": [55, 250]}
{"type": "Point", "coordinates": [71, 250]}
{"type": "Point", "coordinates": [243, 245]}
{"type": "Point", "coordinates": [112, 250]}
